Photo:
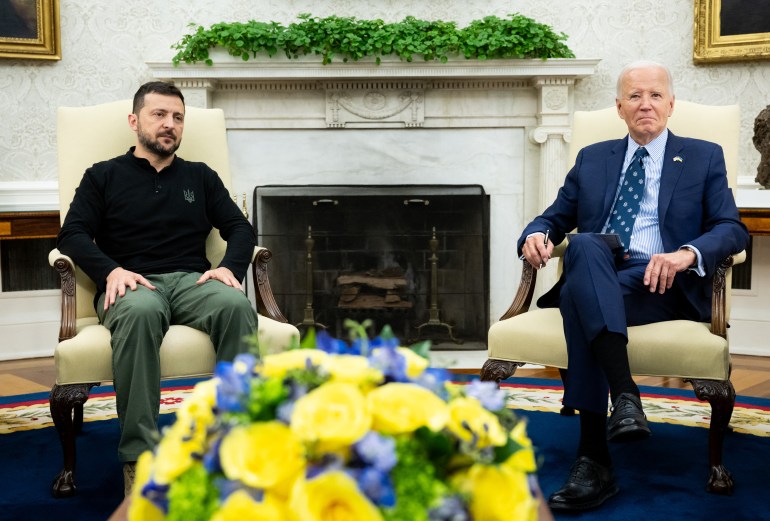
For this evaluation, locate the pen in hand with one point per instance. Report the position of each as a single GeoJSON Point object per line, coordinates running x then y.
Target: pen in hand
{"type": "Point", "coordinates": [545, 243]}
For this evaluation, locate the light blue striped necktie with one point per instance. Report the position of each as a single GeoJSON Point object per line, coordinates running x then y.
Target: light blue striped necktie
{"type": "Point", "coordinates": [626, 206]}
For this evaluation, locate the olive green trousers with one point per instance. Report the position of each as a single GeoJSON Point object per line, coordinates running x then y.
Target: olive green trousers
{"type": "Point", "coordinates": [139, 320]}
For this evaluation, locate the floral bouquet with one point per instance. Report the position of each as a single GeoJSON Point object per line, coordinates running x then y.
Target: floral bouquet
{"type": "Point", "coordinates": [332, 431]}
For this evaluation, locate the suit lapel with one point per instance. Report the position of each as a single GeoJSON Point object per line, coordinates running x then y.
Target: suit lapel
{"type": "Point", "coordinates": [670, 174]}
{"type": "Point", "coordinates": [612, 171]}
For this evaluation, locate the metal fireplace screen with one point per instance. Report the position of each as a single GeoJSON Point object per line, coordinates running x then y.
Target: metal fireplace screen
{"type": "Point", "coordinates": [415, 257]}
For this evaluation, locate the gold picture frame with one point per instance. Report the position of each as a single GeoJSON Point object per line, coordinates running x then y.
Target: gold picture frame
{"type": "Point", "coordinates": [29, 29]}
{"type": "Point", "coordinates": [711, 44]}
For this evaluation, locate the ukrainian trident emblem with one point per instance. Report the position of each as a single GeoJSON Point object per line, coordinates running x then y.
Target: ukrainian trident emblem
{"type": "Point", "coordinates": [189, 196]}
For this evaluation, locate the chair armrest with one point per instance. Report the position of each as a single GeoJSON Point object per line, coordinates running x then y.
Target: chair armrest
{"type": "Point", "coordinates": [66, 269]}
{"type": "Point", "coordinates": [263, 295]}
{"type": "Point", "coordinates": [523, 298]}
{"type": "Point", "coordinates": [719, 291]}
{"type": "Point", "coordinates": [65, 266]}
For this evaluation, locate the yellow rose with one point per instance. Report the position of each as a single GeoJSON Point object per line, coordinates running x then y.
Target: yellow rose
{"type": "Point", "coordinates": [467, 417]}
{"type": "Point", "coordinates": [402, 407]}
{"type": "Point", "coordinates": [279, 363]}
{"type": "Point", "coordinates": [334, 415]}
{"type": "Point", "coordinates": [142, 509]}
{"type": "Point", "coordinates": [262, 455]}
{"type": "Point", "coordinates": [353, 369]}
{"type": "Point", "coordinates": [331, 496]}
{"type": "Point", "coordinates": [415, 364]}
{"type": "Point", "coordinates": [524, 458]}
{"type": "Point", "coordinates": [174, 454]}
{"type": "Point", "coordinates": [240, 505]}
{"type": "Point", "coordinates": [484, 483]}
{"type": "Point", "coordinates": [204, 392]}
{"type": "Point", "coordinates": [197, 411]}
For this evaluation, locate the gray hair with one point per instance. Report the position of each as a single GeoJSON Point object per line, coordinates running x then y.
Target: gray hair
{"type": "Point", "coordinates": [643, 64]}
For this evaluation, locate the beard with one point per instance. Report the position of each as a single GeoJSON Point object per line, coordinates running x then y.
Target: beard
{"type": "Point", "coordinates": [155, 146]}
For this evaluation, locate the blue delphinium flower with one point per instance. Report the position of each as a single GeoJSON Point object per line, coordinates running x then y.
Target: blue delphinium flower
{"type": "Point", "coordinates": [211, 461]}
{"type": "Point", "coordinates": [157, 494]}
{"type": "Point", "coordinates": [228, 486]}
{"type": "Point", "coordinates": [390, 362]}
{"type": "Point", "coordinates": [435, 379]}
{"type": "Point", "coordinates": [384, 341]}
{"type": "Point", "coordinates": [377, 451]}
{"type": "Point", "coordinates": [296, 391]}
{"type": "Point", "coordinates": [234, 382]}
{"type": "Point", "coordinates": [334, 346]}
{"type": "Point", "coordinates": [376, 485]}
{"type": "Point", "coordinates": [328, 462]}
{"type": "Point", "coordinates": [451, 508]}
{"type": "Point", "coordinates": [374, 458]}
{"type": "Point", "coordinates": [491, 397]}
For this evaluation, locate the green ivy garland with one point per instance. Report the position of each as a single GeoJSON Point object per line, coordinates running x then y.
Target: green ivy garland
{"type": "Point", "coordinates": [352, 39]}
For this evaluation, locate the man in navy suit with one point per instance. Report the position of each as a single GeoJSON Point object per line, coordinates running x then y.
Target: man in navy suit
{"type": "Point", "coordinates": [686, 223]}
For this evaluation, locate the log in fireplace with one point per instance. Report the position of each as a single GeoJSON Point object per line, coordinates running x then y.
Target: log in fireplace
{"type": "Point", "coordinates": [415, 257]}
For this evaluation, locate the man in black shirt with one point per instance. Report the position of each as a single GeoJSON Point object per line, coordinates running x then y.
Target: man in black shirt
{"type": "Point", "coordinates": [137, 226]}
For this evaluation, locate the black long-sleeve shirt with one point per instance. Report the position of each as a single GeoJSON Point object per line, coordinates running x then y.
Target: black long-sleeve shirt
{"type": "Point", "coordinates": [126, 214]}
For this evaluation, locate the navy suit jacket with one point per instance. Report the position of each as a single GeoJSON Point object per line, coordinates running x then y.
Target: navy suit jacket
{"type": "Point", "coordinates": [695, 205]}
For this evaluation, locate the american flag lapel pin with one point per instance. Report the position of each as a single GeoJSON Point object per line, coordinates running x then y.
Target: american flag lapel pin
{"type": "Point", "coordinates": [678, 159]}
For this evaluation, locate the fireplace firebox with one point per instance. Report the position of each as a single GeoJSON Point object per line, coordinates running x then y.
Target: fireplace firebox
{"type": "Point", "coordinates": [415, 257]}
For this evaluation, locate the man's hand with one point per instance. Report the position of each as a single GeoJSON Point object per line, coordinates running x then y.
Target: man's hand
{"type": "Point", "coordinates": [663, 267]}
{"type": "Point", "coordinates": [535, 251]}
{"type": "Point", "coordinates": [223, 275]}
{"type": "Point", "coordinates": [118, 280]}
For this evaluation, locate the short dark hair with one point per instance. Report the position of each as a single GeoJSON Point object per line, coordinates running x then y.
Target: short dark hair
{"type": "Point", "coordinates": [158, 87]}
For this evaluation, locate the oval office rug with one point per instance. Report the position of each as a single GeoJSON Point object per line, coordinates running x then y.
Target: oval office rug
{"type": "Point", "coordinates": [660, 478]}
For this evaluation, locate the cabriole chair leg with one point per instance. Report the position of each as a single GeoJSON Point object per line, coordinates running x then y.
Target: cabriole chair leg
{"type": "Point", "coordinates": [721, 396]}
{"type": "Point", "coordinates": [497, 370]}
{"type": "Point", "coordinates": [66, 404]}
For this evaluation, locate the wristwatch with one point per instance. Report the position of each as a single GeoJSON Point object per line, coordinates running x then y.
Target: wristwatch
{"type": "Point", "coordinates": [695, 252]}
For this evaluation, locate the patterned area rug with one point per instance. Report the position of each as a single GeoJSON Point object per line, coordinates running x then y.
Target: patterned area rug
{"type": "Point", "coordinates": [662, 478]}
{"type": "Point", "coordinates": [750, 416]}
{"type": "Point", "coordinates": [674, 407]}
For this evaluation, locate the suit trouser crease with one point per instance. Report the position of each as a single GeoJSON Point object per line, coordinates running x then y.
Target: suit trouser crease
{"type": "Point", "coordinates": [600, 296]}
{"type": "Point", "coordinates": [137, 323]}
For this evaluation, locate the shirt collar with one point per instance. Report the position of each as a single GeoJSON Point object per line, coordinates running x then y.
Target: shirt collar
{"type": "Point", "coordinates": [144, 163]}
{"type": "Point", "coordinates": [656, 148]}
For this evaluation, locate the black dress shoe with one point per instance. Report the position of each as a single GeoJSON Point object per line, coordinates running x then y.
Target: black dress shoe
{"type": "Point", "coordinates": [627, 420]}
{"type": "Point", "coordinates": [589, 485]}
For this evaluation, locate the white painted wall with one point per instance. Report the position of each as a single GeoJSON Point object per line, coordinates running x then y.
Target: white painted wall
{"type": "Point", "coordinates": [105, 47]}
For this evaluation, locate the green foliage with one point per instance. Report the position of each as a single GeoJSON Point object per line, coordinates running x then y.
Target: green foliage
{"type": "Point", "coordinates": [415, 481]}
{"type": "Point", "coordinates": [422, 348]}
{"type": "Point", "coordinates": [352, 39]}
{"type": "Point", "coordinates": [191, 496]}
{"type": "Point", "coordinates": [266, 395]}
{"type": "Point", "coordinates": [308, 341]}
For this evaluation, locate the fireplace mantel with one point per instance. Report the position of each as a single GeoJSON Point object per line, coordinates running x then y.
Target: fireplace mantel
{"type": "Point", "coordinates": [279, 92]}
{"type": "Point", "coordinates": [503, 124]}
{"type": "Point", "coordinates": [228, 68]}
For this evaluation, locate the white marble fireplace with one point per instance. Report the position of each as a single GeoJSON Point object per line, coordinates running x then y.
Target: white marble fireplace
{"type": "Point", "coordinates": [501, 124]}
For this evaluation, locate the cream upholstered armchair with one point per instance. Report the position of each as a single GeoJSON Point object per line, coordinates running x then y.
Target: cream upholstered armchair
{"type": "Point", "coordinates": [83, 357]}
{"type": "Point", "coordinates": [694, 351]}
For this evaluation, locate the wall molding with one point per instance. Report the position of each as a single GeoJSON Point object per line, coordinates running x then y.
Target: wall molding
{"type": "Point", "coordinates": [29, 196]}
